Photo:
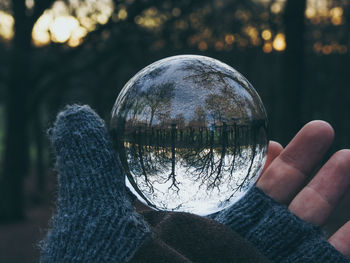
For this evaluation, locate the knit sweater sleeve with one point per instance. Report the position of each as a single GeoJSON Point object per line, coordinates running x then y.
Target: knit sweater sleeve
{"type": "Point", "coordinates": [277, 233]}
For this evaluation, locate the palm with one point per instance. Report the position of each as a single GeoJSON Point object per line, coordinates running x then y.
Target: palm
{"type": "Point", "coordinates": [287, 170]}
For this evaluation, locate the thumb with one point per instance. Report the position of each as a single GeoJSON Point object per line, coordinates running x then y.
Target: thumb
{"type": "Point", "coordinates": [95, 221]}
{"type": "Point", "coordinates": [85, 158]}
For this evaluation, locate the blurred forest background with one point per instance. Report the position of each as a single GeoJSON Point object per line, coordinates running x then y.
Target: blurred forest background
{"type": "Point", "coordinates": [55, 52]}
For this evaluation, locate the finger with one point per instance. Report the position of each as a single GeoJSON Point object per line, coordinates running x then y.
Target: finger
{"type": "Point", "coordinates": [341, 240]}
{"type": "Point", "coordinates": [273, 151]}
{"type": "Point", "coordinates": [318, 199]}
{"type": "Point", "coordinates": [286, 174]}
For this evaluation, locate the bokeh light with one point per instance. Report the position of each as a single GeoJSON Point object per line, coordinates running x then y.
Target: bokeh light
{"type": "Point", "coordinates": [266, 34]}
{"type": "Point", "coordinates": [62, 28]}
{"type": "Point", "coordinates": [229, 39]}
{"type": "Point", "coordinates": [69, 22]}
{"type": "Point", "coordinates": [277, 7]}
{"type": "Point", "coordinates": [6, 25]}
{"type": "Point", "coordinates": [279, 42]}
{"type": "Point", "coordinates": [58, 25]}
{"type": "Point", "coordinates": [267, 48]}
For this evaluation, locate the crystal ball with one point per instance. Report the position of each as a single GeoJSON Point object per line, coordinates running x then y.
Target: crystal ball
{"type": "Point", "coordinates": [191, 134]}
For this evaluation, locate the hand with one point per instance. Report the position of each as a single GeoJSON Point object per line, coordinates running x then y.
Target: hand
{"type": "Point", "coordinates": [96, 222]}
{"type": "Point", "coordinates": [287, 170]}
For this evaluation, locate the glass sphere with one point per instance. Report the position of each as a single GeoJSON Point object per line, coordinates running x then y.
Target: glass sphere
{"type": "Point", "coordinates": [191, 134]}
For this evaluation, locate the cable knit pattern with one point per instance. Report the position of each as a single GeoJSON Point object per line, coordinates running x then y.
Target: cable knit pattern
{"type": "Point", "coordinates": [276, 232]}
{"type": "Point", "coordinates": [95, 221]}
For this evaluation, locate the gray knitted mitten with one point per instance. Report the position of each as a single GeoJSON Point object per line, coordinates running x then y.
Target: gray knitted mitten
{"type": "Point", "coordinates": [95, 221]}
{"type": "Point", "coordinates": [277, 233]}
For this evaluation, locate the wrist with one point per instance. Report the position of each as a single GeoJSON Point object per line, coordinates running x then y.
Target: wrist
{"type": "Point", "coordinates": [276, 232]}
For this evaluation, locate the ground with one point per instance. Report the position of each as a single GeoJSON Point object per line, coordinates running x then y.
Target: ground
{"type": "Point", "coordinates": [19, 241]}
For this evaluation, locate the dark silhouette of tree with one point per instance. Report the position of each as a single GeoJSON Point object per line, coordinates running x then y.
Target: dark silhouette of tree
{"type": "Point", "coordinates": [19, 87]}
{"type": "Point", "coordinates": [55, 66]}
{"type": "Point", "coordinates": [158, 99]}
{"type": "Point", "coordinates": [172, 175]}
{"type": "Point", "coordinates": [232, 103]}
{"type": "Point", "coordinates": [291, 95]}
{"type": "Point", "coordinates": [25, 91]}
{"type": "Point", "coordinates": [228, 149]}
{"type": "Point", "coordinates": [35, 82]}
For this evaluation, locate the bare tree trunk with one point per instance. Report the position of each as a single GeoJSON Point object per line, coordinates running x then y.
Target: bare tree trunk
{"type": "Point", "coordinates": [16, 123]}
{"type": "Point", "coordinates": [38, 135]}
{"type": "Point", "coordinates": [16, 155]}
{"type": "Point", "coordinates": [291, 97]}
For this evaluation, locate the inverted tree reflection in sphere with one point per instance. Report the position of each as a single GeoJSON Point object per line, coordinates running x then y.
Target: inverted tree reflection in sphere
{"type": "Point", "coordinates": [191, 134]}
